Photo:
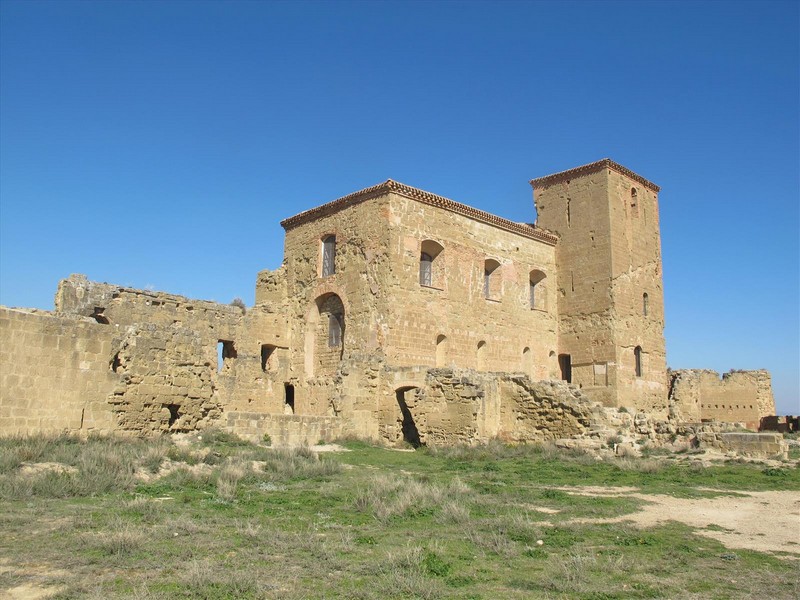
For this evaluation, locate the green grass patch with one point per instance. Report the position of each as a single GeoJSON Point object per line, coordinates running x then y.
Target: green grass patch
{"type": "Point", "coordinates": [219, 517]}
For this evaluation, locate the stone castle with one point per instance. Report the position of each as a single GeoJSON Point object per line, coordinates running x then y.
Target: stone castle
{"type": "Point", "coordinates": [397, 314]}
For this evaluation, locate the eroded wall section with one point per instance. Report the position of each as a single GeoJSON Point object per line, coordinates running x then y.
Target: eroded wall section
{"type": "Point", "coordinates": [736, 397]}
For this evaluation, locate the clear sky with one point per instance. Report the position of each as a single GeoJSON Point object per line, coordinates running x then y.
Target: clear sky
{"type": "Point", "coordinates": [158, 144]}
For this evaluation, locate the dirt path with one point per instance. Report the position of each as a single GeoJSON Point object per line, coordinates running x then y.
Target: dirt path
{"type": "Point", "coordinates": [762, 521]}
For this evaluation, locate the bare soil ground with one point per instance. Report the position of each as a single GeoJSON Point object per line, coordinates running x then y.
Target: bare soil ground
{"type": "Point", "coordinates": [761, 521]}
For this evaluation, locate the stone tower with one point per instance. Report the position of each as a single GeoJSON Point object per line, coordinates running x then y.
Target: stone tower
{"type": "Point", "coordinates": [610, 290]}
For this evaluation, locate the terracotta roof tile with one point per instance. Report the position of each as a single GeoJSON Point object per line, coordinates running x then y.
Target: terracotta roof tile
{"type": "Point", "coordinates": [391, 186]}
{"type": "Point", "coordinates": [606, 163]}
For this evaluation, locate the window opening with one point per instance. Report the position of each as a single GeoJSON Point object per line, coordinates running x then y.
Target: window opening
{"type": "Point", "coordinates": [334, 330]}
{"type": "Point", "coordinates": [288, 395]}
{"type": "Point", "coordinates": [267, 351]}
{"type": "Point", "coordinates": [429, 263]}
{"type": "Point", "coordinates": [329, 255]}
{"type": "Point", "coordinates": [97, 315]}
{"type": "Point", "coordinates": [637, 357]}
{"type": "Point", "coordinates": [174, 413]}
{"type": "Point", "coordinates": [565, 364]}
{"type": "Point", "coordinates": [569, 216]}
{"type": "Point", "coordinates": [425, 269]}
{"type": "Point", "coordinates": [116, 363]}
{"type": "Point", "coordinates": [645, 303]}
{"type": "Point", "coordinates": [634, 202]}
{"type": "Point", "coordinates": [491, 286]}
{"type": "Point", "coordinates": [537, 292]}
{"type": "Point", "coordinates": [226, 352]}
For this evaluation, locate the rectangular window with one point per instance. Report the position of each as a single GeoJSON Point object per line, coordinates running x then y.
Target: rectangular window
{"type": "Point", "coordinates": [334, 331]}
{"type": "Point", "coordinates": [329, 255]}
{"type": "Point", "coordinates": [425, 270]}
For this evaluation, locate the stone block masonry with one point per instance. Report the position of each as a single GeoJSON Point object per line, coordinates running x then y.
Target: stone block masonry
{"type": "Point", "coordinates": [55, 373]}
{"type": "Point", "coordinates": [737, 397]}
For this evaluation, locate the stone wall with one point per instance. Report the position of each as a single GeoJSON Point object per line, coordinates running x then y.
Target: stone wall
{"type": "Point", "coordinates": [55, 373]}
{"type": "Point", "coordinates": [465, 406]}
{"type": "Point", "coordinates": [753, 445]}
{"type": "Point", "coordinates": [738, 397]}
{"type": "Point", "coordinates": [285, 430]}
{"type": "Point", "coordinates": [138, 361]}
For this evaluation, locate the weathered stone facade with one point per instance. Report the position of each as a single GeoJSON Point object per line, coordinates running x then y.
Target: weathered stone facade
{"type": "Point", "coordinates": [738, 397]}
{"type": "Point", "coordinates": [396, 314]}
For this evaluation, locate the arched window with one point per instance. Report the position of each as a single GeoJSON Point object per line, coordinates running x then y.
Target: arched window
{"type": "Point", "coordinates": [491, 279]}
{"type": "Point", "coordinates": [441, 351]}
{"type": "Point", "coordinates": [637, 358]}
{"type": "Point", "coordinates": [329, 255]}
{"type": "Point", "coordinates": [645, 303]}
{"type": "Point", "coordinates": [481, 355]}
{"type": "Point", "coordinates": [429, 264]}
{"type": "Point", "coordinates": [538, 291]}
{"type": "Point", "coordinates": [326, 335]}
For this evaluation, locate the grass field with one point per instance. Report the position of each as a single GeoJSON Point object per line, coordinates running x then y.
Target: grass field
{"type": "Point", "coordinates": [217, 517]}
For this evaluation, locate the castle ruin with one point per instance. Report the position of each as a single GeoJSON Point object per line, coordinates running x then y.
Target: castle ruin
{"type": "Point", "coordinates": [398, 315]}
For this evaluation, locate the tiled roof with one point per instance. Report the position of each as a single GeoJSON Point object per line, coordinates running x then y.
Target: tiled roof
{"type": "Point", "coordinates": [391, 186]}
{"type": "Point", "coordinates": [606, 163]}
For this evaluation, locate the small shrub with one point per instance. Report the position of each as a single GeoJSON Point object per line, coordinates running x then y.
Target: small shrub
{"type": "Point", "coordinates": [775, 472]}
{"type": "Point", "coordinates": [239, 303]}
{"type": "Point", "coordinates": [266, 440]}
{"type": "Point", "coordinates": [435, 565]}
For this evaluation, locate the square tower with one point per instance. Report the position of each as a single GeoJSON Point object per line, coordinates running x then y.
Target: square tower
{"type": "Point", "coordinates": [610, 289]}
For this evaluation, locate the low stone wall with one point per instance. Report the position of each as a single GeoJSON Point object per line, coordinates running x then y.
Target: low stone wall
{"type": "Point", "coordinates": [754, 445]}
{"type": "Point", "coordinates": [285, 430]}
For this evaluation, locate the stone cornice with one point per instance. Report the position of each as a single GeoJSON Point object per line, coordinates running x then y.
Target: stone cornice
{"type": "Point", "coordinates": [391, 186]}
{"type": "Point", "coordinates": [606, 163]}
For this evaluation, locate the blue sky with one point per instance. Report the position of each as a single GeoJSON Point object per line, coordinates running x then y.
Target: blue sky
{"type": "Point", "coordinates": [158, 144]}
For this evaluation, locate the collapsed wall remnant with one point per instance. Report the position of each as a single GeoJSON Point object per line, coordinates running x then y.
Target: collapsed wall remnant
{"type": "Point", "coordinates": [736, 397]}
{"type": "Point", "coordinates": [397, 314]}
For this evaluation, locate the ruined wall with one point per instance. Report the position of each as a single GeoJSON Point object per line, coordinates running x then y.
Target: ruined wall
{"type": "Point", "coordinates": [55, 373]}
{"type": "Point", "coordinates": [285, 430]}
{"type": "Point", "coordinates": [738, 397]}
{"type": "Point", "coordinates": [608, 258]}
{"type": "Point", "coordinates": [544, 410]}
{"type": "Point", "coordinates": [465, 406]}
{"type": "Point", "coordinates": [451, 322]}
{"type": "Point", "coordinates": [162, 353]}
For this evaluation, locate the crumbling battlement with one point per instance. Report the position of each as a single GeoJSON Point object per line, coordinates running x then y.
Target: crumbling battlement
{"type": "Point", "coordinates": [738, 397]}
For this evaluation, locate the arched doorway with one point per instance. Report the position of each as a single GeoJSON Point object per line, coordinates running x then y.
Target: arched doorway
{"type": "Point", "coordinates": [405, 397]}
